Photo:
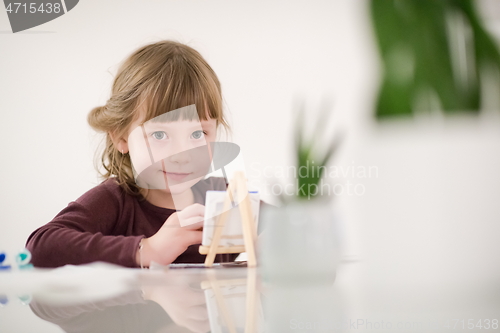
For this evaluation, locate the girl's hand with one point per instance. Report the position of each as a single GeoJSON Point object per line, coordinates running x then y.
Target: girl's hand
{"type": "Point", "coordinates": [180, 230]}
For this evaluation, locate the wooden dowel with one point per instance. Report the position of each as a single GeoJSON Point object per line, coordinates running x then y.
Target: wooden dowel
{"type": "Point", "coordinates": [223, 249]}
{"type": "Point", "coordinates": [251, 315]}
{"type": "Point", "coordinates": [247, 220]}
{"type": "Point", "coordinates": [220, 222]}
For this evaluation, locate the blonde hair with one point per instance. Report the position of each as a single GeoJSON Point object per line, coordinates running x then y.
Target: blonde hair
{"type": "Point", "coordinates": [156, 78]}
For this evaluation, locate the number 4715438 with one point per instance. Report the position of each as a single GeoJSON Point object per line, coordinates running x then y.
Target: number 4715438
{"type": "Point", "coordinates": [470, 324]}
{"type": "Point", "coordinates": [32, 8]}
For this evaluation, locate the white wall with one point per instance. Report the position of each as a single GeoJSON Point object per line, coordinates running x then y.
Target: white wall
{"type": "Point", "coordinates": [431, 176]}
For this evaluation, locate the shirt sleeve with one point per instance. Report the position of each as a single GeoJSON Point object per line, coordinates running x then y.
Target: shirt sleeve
{"type": "Point", "coordinates": [82, 233]}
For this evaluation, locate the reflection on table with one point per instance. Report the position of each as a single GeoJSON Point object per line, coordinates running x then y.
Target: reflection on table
{"type": "Point", "coordinates": [361, 296]}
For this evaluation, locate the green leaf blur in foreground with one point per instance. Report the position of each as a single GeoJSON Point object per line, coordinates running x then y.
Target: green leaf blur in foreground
{"type": "Point", "coordinates": [310, 162]}
{"type": "Point", "coordinates": [435, 55]}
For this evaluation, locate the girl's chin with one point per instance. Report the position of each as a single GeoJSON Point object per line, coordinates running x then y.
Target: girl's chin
{"type": "Point", "coordinates": [176, 191]}
{"type": "Point", "coordinates": [173, 190]}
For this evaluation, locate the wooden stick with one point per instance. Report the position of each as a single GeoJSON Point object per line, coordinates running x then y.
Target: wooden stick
{"type": "Point", "coordinates": [251, 315]}
{"type": "Point", "coordinates": [220, 222]}
{"type": "Point", "coordinates": [239, 187]}
{"type": "Point", "coordinates": [219, 297]}
{"type": "Point", "coordinates": [223, 249]}
{"type": "Point", "coordinates": [247, 220]}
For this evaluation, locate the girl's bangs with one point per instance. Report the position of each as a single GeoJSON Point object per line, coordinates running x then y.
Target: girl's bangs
{"type": "Point", "coordinates": [182, 90]}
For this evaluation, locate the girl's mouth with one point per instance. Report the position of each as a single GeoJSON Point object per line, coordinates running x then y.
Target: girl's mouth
{"type": "Point", "coordinates": [176, 175]}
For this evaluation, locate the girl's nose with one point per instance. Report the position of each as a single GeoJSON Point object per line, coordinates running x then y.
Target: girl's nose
{"type": "Point", "coordinates": [181, 157]}
{"type": "Point", "coordinates": [180, 153]}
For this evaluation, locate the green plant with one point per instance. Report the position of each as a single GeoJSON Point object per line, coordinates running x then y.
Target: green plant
{"type": "Point", "coordinates": [310, 160]}
{"type": "Point", "coordinates": [436, 54]}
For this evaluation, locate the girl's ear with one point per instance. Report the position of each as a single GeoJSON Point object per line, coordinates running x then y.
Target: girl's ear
{"type": "Point", "coordinates": [119, 142]}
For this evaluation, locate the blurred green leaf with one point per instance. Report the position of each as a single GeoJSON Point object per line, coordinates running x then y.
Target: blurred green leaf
{"type": "Point", "coordinates": [431, 48]}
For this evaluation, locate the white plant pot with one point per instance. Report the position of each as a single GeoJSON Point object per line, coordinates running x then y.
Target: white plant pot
{"type": "Point", "coordinates": [299, 243]}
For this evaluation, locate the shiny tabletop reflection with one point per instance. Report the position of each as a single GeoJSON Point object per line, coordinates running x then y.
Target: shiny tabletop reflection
{"type": "Point", "coordinates": [362, 295]}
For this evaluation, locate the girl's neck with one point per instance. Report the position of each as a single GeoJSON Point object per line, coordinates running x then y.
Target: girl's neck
{"type": "Point", "coordinates": [171, 201]}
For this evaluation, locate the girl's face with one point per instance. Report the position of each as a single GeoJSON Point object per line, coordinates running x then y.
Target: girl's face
{"type": "Point", "coordinates": [171, 156]}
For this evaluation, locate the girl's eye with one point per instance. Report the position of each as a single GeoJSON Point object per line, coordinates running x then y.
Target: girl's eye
{"type": "Point", "coordinates": [159, 135]}
{"type": "Point", "coordinates": [198, 134]}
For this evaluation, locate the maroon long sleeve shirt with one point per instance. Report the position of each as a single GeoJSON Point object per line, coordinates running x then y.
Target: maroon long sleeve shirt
{"type": "Point", "coordinates": [106, 224]}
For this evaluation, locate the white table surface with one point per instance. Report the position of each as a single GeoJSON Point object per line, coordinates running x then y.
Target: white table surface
{"type": "Point", "coordinates": [364, 296]}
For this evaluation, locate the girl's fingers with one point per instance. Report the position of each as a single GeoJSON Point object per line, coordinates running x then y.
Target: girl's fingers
{"type": "Point", "coordinates": [192, 223]}
{"type": "Point", "coordinates": [192, 214]}
{"type": "Point", "coordinates": [186, 221]}
{"type": "Point", "coordinates": [194, 210]}
{"type": "Point", "coordinates": [193, 237]}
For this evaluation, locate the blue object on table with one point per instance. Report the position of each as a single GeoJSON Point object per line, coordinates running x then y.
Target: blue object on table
{"type": "Point", "coordinates": [23, 259]}
{"type": "Point", "coordinates": [3, 299]}
{"type": "Point", "coordinates": [3, 256]}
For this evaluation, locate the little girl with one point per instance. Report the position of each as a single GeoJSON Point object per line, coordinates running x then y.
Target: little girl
{"type": "Point", "coordinates": [130, 222]}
